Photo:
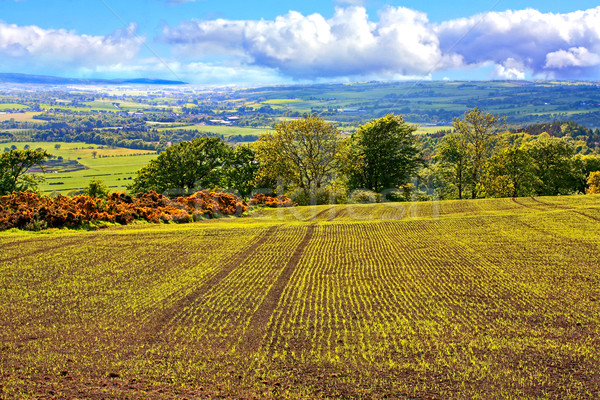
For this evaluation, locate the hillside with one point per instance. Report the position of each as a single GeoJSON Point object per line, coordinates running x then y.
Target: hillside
{"type": "Point", "coordinates": [453, 300]}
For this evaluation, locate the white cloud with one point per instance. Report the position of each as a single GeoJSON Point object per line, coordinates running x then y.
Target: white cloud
{"type": "Point", "coordinates": [574, 57]}
{"type": "Point", "coordinates": [52, 48]}
{"type": "Point", "coordinates": [348, 44]}
{"type": "Point", "coordinates": [525, 40]}
{"type": "Point", "coordinates": [402, 42]}
{"type": "Point", "coordinates": [510, 69]}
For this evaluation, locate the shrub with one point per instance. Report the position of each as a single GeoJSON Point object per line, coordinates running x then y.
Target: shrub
{"type": "Point", "coordinates": [594, 183]}
{"type": "Point", "coordinates": [28, 210]}
{"type": "Point", "coordinates": [260, 199]}
{"type": "Point", "coordinates": [362, 196]}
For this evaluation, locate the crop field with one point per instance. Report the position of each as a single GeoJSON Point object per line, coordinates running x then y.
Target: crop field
{"type": "Point", "coordinates": [22, 117]}
{"type": "Point", "coordinates": [226, 131]}
{"type": "Point", "coordinates": [483, 299]}
{"type": "Point", "coordinates": [12, 106]}
{"type": "Point", "coordinates": [113, 166]}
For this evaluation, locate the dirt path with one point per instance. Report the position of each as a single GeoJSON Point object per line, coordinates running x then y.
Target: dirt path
{"type": "Point", "coordinates": [260, 320]}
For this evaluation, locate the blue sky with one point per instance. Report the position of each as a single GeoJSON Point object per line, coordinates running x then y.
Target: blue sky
{"type": "Point", "coordinates": [264, 42]}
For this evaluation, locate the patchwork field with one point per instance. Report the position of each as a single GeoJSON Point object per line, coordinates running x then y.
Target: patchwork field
{"type": "Point", "coordinates": [485, 299]}
{"type": "Point", "coordinates": [115, 167]}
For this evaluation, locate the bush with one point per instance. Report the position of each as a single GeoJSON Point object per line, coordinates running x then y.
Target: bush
{"type": "Point", "coordinates": [594, 183]}
{"type": "Point", "coordinates": [260, 199]}
{"type": "Point", "coordinates": [28, 210]}
{"type": "Point", "coordinates": [362, 196]}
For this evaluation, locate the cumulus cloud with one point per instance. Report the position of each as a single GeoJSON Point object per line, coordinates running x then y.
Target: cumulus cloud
{"type": "Point", "coordinates": [401, 42]}
{"type": "Point", "coordinates": [545, 44]}
{"type": "Point", "coordinates": [347, 44]}
{"type": "Point", "coordinates": [55, 48]}
{"type": "Point", "coordinates": [574, 57]}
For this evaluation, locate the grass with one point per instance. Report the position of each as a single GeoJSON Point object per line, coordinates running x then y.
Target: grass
{"type": "Point", "coordinates": [12, 106]}
{"type": "Point", "coordinates": [220, 129]}
{"type": "Point", "coordinates": [114, 166]}
{"type": "Point", "coordinates": [494, 299]}
{"type": "Point", "coordinates": [421, 129]}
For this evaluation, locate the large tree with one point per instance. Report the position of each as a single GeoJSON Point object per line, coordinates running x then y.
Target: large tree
{"type": "Point", "coordinates": [383, 154]}
{"type": "Point", "coordinates": [554, 165]}
{"type": "Point", "coordinates": [242, 168]}
{"type": "Point", "coordinates": [14, 165]}
{"type": "Point", "coordinates": [453, 164]}
{"type": "Point", "coordinates": [478, 130]}
{"type": "Point", "coordinates": [185, 167]}
{"type": "Point", "coordinates": [302, 152]}
{"type": "Point", "coordinates": [510, 173]}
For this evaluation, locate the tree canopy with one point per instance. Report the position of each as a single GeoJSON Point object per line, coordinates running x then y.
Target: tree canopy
{"type": "Point", "coordinates": [302, 152]}
{"type": "Point", "coordinates": [14, 165]}
{"type": "Point", "coordinates": [383, 154]}
{"type": "Point", "coordinates": [477, 130]}
{"type": "Point", "coordinates": [185, 167]}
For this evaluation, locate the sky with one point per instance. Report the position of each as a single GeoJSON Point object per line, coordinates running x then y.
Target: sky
{"type": "Point", "coordinates": [246, 42]}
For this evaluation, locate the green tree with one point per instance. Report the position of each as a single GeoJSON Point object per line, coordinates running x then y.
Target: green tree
{"type": "Point", "coordinates": [242, 169]}
{"type": "Point", "coordinates": [383, 154]}
{"type": "Point", "coordinates": [96, 189]}
{"type": "Point", "coordinates": [303, 152]}
{"type": "Point", "coordinates": [185, 167]}
{"type": "Point", "coordinates": [478, 130]}
{"type": "Point", "coordinates": [57, 146]}
{"type": "Point", "coordinates": [554, 165]}
{"type": "Point", "coordinates": [510, 173]}
{"type": "Point", "coordinates": [14, 165]}
{"type": "Point", "coordinates": [453, 164]}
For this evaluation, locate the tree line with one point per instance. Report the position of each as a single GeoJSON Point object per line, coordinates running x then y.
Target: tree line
{"type": "Point", "coordinates": [310, 160]}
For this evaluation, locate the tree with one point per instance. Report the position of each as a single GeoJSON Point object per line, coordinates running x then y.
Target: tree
{"type": "Point", "coordinates": [478, 129]}
{"type": "Point", "coordinates": [94, 153]}
{"type": "Point", "coordinates": [96, 189]}
{"type": "Point", "coordinates": [14, 165]}
{"type": "Point", "coordinates": [510, 173]}
{"type": "Point", "coordinates": [303, 152]}
{"type": "Point", "coordinates": [185, 167]}
{"type": "Point", "coordinates": [57, 146]}
{"type": "Point", "coordinates": [594, 183]}
{"type": "Point", "coordinates": [554, 165]}
{"type": "Point", "coordinates": [453, 163]}
{"type": "Point", "coordinates": [242, 168]}
{"type": "Point", "coordinates": [383, 154]}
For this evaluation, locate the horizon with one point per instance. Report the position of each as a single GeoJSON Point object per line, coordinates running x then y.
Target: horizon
{"type": "Point", "coordinates": [270, 43]}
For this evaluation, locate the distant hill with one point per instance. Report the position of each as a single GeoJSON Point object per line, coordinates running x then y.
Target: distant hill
{"type": "Point", "coordinates": [54, 80]}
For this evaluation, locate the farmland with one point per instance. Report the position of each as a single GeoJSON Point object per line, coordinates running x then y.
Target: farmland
{"type": "Point", "coordinates": [84, 162]}
{"type": "Point", "coordinates": [454, 299]}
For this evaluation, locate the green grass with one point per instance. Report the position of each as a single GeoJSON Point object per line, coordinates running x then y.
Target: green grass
{"type": "Point", "coordinates": [484, 299]}
{"type": "Point", "coordinates": [114, 166]}
{"type": "Point", "coordinates": [12, 106]}
{"type": "Point", "coordinates": [432, 129]}
{"type": "Point", "coordinates": [220, 129]}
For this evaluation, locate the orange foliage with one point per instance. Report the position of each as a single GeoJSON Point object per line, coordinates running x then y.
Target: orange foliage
{"type": "Point", "coordinates": [20, 209]}
{"type": "Point", "coordinates": [260, 199]}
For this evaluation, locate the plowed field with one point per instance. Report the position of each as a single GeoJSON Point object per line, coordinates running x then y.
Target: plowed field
{"type": "Point", "coordinates": [484, 299]}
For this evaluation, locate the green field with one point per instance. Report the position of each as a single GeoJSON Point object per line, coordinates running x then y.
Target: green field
{"type": "Point", "coordinates": [226, 131]}
{"type": "Point", "coordinates": [114, 166]}
{"type": "Point", "coordinates": [484, 299]}
{"type": "Point", "coordinates": [12, 106]}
